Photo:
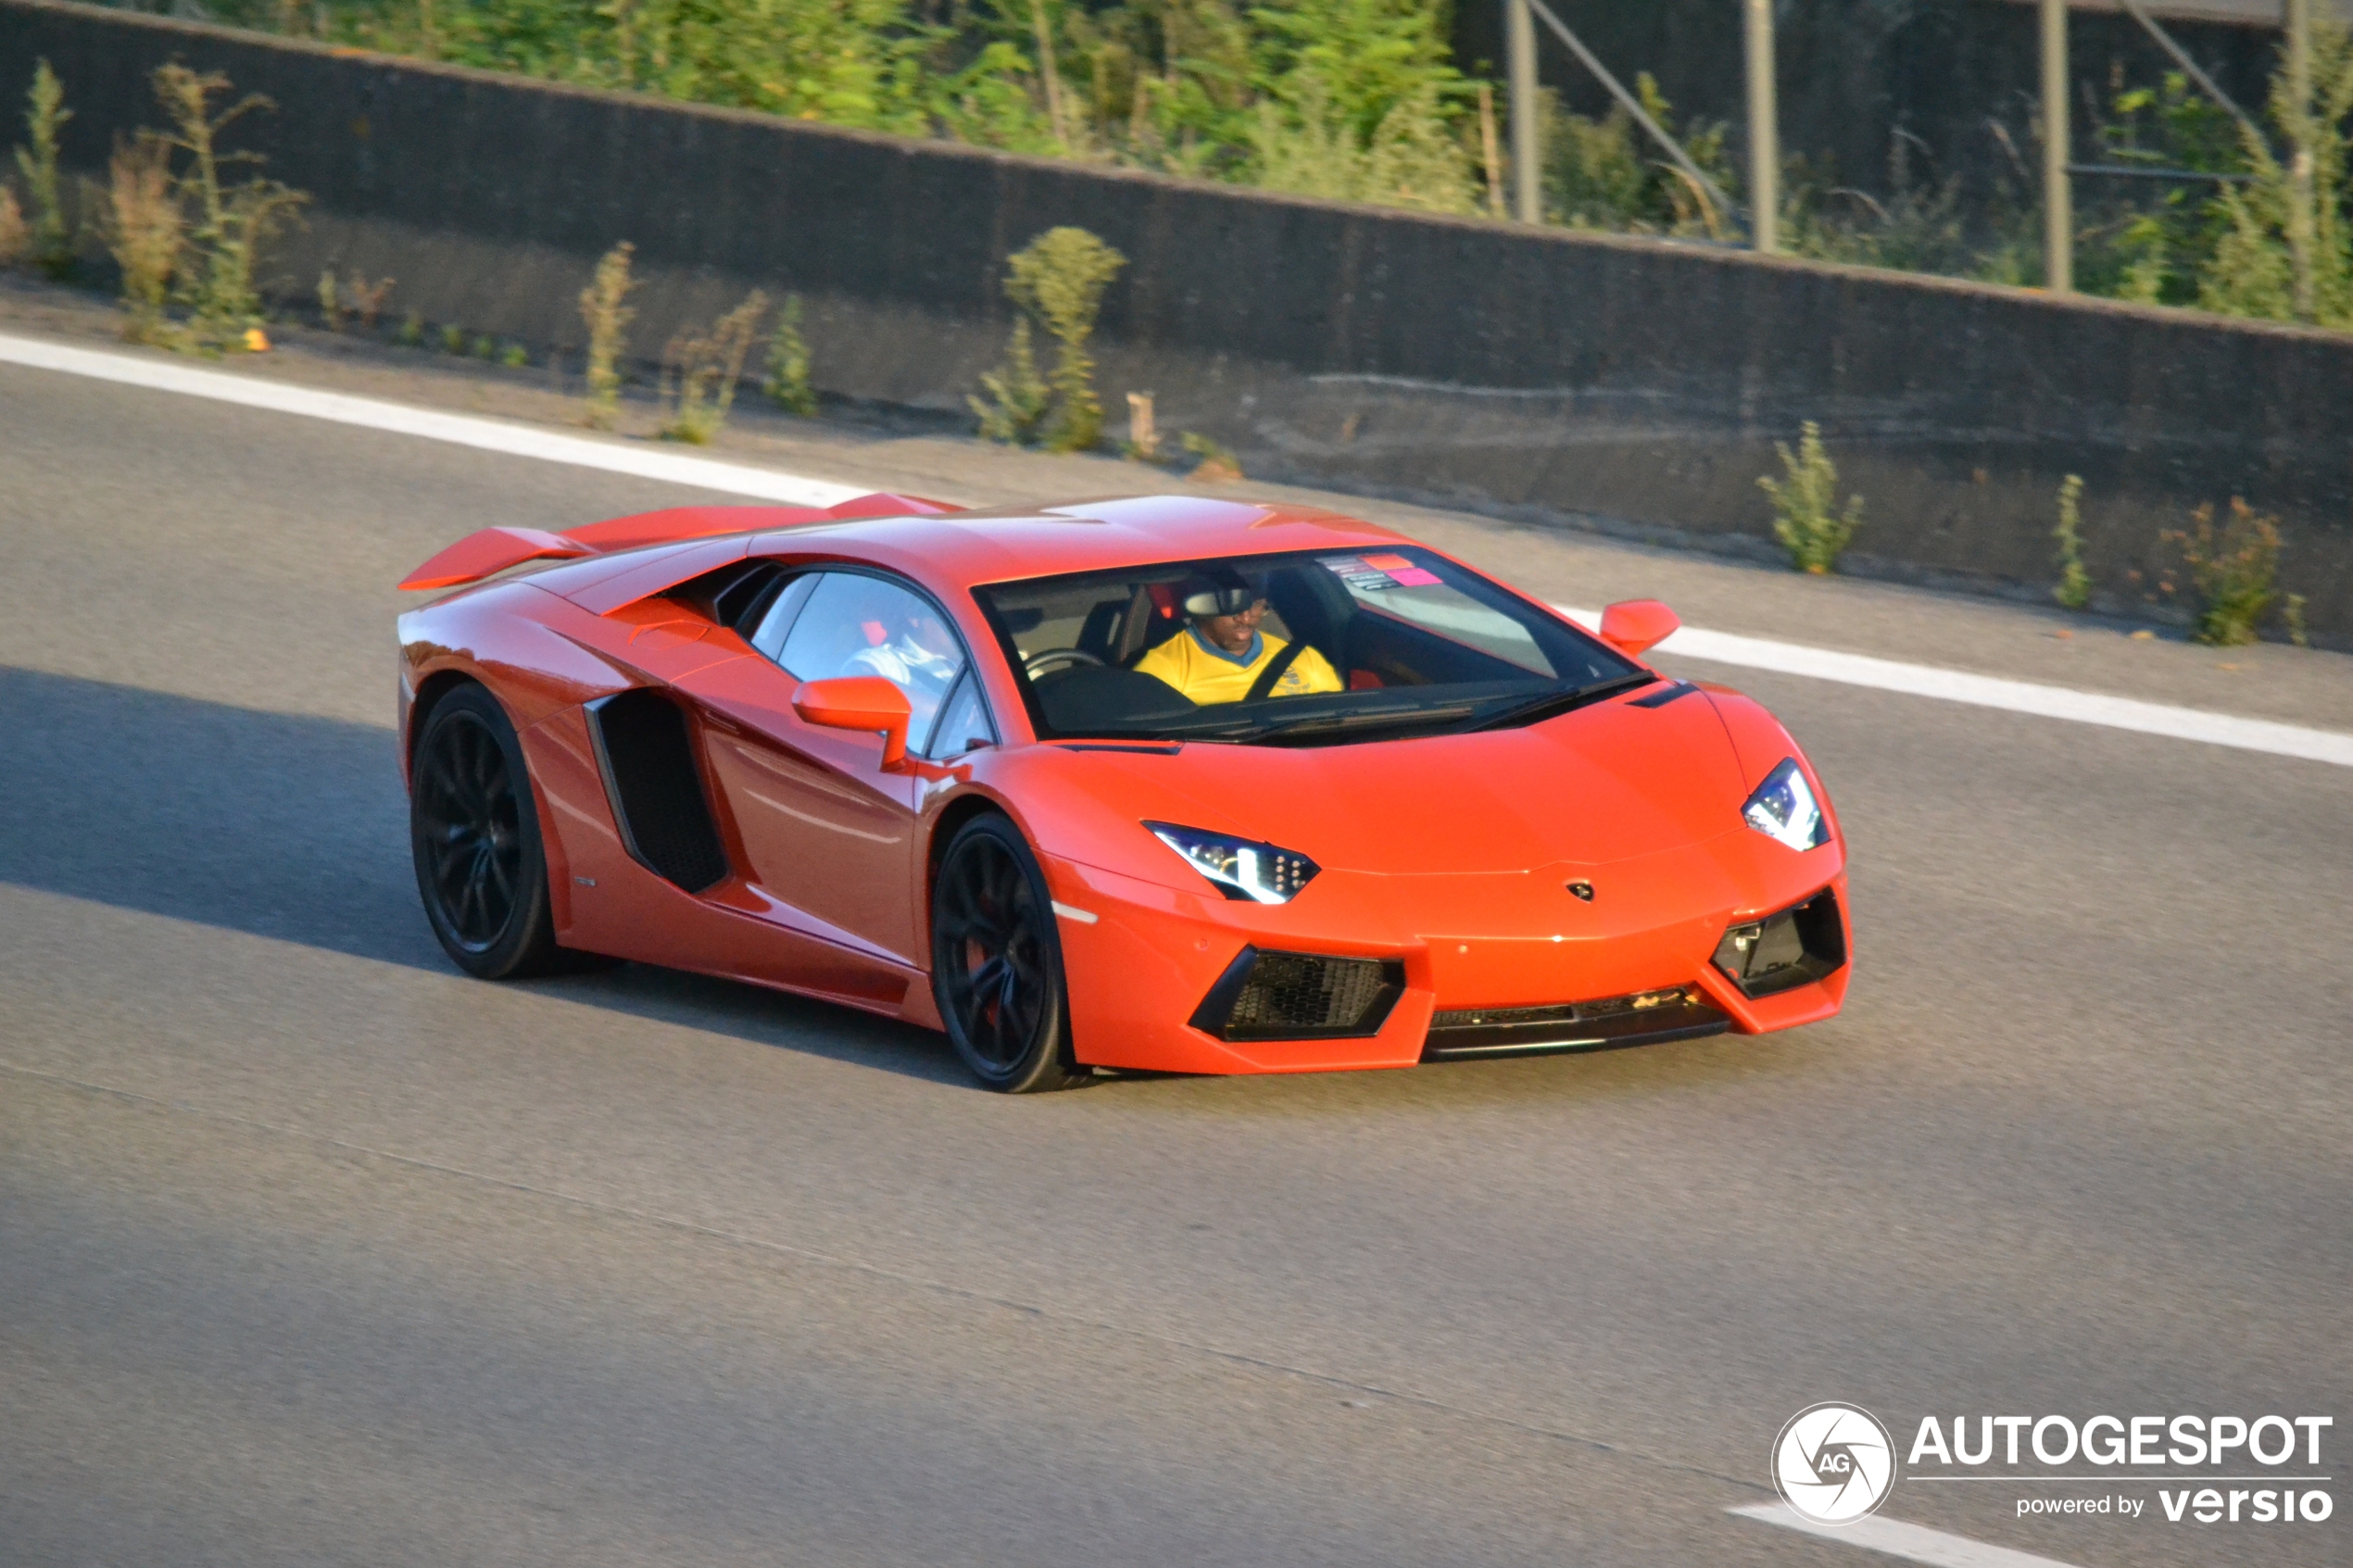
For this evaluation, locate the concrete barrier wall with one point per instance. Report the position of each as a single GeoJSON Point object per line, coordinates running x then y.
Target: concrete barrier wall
{"type": "Point", "coordinates": [1630, 385]}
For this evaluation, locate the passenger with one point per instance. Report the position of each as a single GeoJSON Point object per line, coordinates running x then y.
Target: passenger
{"type": "Point", "coordinates": [1221, 652]}
{"type": "Point", "coordinates": [923, 661]}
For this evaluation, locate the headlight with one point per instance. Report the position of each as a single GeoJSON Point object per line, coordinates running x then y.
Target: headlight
{"type": "Point", "coordinates": [1240, 868]}
{"type": "Point", "coordinates": [1784, 809]}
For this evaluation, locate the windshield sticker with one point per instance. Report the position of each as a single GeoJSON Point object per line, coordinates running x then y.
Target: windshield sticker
{"type": "Point", "coordinates": [1374, 574]}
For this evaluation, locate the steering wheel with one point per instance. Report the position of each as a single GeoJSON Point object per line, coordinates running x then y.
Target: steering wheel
{"type": "Point", "coordinates": [1046, 661]}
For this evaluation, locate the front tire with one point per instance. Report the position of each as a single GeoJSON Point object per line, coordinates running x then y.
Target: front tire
{"type": "Point", "coordinates": [473, 831]}
{"type": "Point", "coordinates": [997, 962]}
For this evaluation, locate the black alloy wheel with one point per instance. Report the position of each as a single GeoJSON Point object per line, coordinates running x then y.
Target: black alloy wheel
{"type": "Point", "coordinates": [997, 966]}
{"type": "Point", "coordinates": [475, 837]}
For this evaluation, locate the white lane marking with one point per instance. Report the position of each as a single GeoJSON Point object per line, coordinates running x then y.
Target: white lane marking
{"type": "Point", "coordinates": [739, 479]}
{"type": "Point", "coordinates": [1992, 691]}
{"type": "Point", "coordinates": [489, 435]}
{"type": "Point", "coordinates": [1082, 916]}
{"type": "Point", "coordinates": [1914, 1543]}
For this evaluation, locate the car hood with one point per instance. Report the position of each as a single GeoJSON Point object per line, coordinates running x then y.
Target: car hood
{"type": "Point", "coordinates": [1594, 787]}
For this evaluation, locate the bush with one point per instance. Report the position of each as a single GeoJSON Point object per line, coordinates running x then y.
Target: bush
{"type": "Point", "coordinates": [1057, 280]}
{"type": "Point", "coordinates": [143, 228]}
{"type": "Point", "coordinates": [2236, 569]}
{"type": "Point", "coordinates": [223, 226]}
{"type": "Point", "coordinates": [1803, 519]}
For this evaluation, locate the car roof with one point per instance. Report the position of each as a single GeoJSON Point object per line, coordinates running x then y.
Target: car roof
{"type": "Point", "coordinates": [968, 549]}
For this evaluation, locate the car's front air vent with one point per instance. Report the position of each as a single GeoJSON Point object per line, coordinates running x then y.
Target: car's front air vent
{"type": "Point", "coordinates": [1644, 1017]}
{"type": "Point", "coordinates": [647, 753]}
{"type": "Point", "coordinates": [1299, 997]}
{"type": "Point", "coordinates": [1794, 948]}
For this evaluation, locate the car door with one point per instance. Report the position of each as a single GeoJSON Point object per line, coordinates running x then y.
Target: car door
{"type": "Point", "coordinates": [828, 837]}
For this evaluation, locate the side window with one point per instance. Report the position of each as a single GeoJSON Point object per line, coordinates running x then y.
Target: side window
{"type": "Point", "coordinates": [964, 723]}
{"type": "Point", "coordinates": [852, 624]}
{"type": "Point", "coordinates": [775, 623]}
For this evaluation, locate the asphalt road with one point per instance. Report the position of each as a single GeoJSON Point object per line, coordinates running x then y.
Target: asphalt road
{"type": "Point", "coordinates": [314, 1252]}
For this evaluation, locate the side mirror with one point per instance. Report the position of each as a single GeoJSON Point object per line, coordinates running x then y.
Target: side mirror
{"type": "Point", "coordinates": [1634, 626]}
{"type": "Point", "coordinates": [859, 702]}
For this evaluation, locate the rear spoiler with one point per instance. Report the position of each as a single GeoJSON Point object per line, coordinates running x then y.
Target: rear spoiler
{"type": "Point", "coordinates": [493, 550]}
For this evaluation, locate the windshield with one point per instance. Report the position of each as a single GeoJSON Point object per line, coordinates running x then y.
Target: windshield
{"type": "Point", "coordinates": [1308, 649]}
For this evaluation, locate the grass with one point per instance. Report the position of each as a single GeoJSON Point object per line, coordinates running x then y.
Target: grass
{"type": "Point", "coordinates": [1804, 519]}
{"type": "Point", "coordinates": [2074, 587]}
{"type": "Point", "coordinates": [353, 299]}
{"type": "Point", "coordinates": [604, 311]}
{"type": "Point", "coordinates": [1057, 280]}
{"type": "Point", "coordinates": [2236, 569]}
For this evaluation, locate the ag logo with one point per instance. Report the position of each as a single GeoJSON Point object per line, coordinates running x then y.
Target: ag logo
{"type": "Point", "coordinates": [1834, 1463]}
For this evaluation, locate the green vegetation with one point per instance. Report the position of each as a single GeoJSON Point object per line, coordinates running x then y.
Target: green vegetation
{"type": "Point", "coordinates": [48, 237]}
{"type": "Point", "coordinates": [1216, 465]}
{"type": "Point", "coordinates": [143, 226]}
{"type": "Point", "coordinates": [2236, 569]}
{"type": "Point", "coordinates": [1803, 519]}
{"type": "Point", "coordinates": [2074, 589]}
{"type": "Point", "coordinates": [1607, 173]}
{"type": "Point", "coordinates": [788, 384]}
{"type": "Point", "coordinates": [607, 318]}
{"type": "Point", "coordinates": [1057, 280]}
{"type": "Point", "coordinates": [699, 371]}
{"type": "Point", "coordinates": [227, 225]}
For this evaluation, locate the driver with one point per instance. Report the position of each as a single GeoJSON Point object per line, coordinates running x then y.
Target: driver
{"type": "Point", "coordinates": [1221, 653]}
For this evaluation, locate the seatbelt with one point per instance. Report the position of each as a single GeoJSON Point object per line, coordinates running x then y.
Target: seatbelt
{"type": "Point", "coordinates": [1275, 670]}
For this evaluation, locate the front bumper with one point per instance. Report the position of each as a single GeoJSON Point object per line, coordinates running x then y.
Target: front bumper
{"type": "Point", "coordinates": [1144, 973]}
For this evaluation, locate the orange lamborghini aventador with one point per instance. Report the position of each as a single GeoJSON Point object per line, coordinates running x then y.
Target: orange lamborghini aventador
{"type": "Point", "coordinates": [1151, 783]}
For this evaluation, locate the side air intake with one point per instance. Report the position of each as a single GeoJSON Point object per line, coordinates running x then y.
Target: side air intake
{"type": "Point", "coordinates": [1299, 997]}
{"type": "Point", "coordinates": [647, 757]}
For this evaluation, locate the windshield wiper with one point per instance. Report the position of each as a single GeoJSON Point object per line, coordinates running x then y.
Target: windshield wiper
{"type": "Point", "coordinates": [1382, 719]}
{"type": "Point", "coordinates": [1553, 704]}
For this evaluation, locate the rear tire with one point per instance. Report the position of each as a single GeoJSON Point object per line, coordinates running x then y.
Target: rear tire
{"type": "Point", "coordinates": [997, 962]}
{"type": "Point", "coordinates": [473, 831]}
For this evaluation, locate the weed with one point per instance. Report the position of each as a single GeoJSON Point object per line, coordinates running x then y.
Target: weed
{"type": "Point", "coordinates": [2074, 589]}
{"type": "Point", "coordinates": [331, 309]}
{"type": "Point", "coordinates": [51, 237]}
{"type": "Point", "coordinates": [608, 319]}
{"type": "Point", "coordinates": [453, 340]}
{"type": "Point", "coordinates": [514, 355]}
{"type": "Point", "coordinates": [143, 228]}
{"type": "Point", "coordinates": [2284, 252]}
{"type": "Point", "coordinates": [788, 382]}
{"type": "Point", "coordinates": [1803, 521]}
{"type": "Point", "coordinates": [413, 329]}
{"type": "Point", "coordinates": [1058, 280]}
{"type": "Point", "coordinates": [1607, 174]}
{"type": "Point", "coordinates": [1217, 466]}
{"type": "Point", "coordinates": [1018, 397]}
{"type": "Point", "coordinates": [353, 298]}
{"type": "Point", "coordinates": [1144, 436]}
{"type": "Point", "coordinates": [701, 369]}
{"type": "Point", "coordinates": [485, 347]}
{"type": "Point", "coordinates": [2294, 616]}
{"type": "Point", "coordinates": [16, 239]}
{"type": "Point", "coordinates": [228, 224]}
{"type": "Point", "coordinates": [2236, 569]}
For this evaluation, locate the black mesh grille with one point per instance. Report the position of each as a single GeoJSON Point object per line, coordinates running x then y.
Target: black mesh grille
{"type": "Point", "coordinates": [1790, 948]}
{"type": "Point", "coordinates": [1642, 1018]}
{"type": "Point", "coordinates": [649, 760]}
{"type": "Point", "coordinates": [1299, 997]}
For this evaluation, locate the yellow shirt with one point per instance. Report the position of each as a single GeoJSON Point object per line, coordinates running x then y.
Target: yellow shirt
{"type": "Point", "coordinates": [1210, 675]}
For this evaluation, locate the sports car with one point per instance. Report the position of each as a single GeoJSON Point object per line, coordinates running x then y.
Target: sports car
{"type": "Point", "coordinates": [1154, 783]}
